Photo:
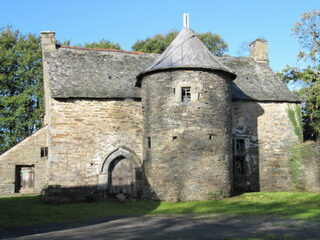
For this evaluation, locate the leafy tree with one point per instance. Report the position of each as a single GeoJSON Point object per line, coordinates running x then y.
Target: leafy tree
{"type": "Point", "coordinates": [159, 42]}
{"type": "Point", "coordinates": [104, 44]}
{"type": "Point", "coordinates": [21, 90]}
{"type": "Point", "coordinates": [307, 31]}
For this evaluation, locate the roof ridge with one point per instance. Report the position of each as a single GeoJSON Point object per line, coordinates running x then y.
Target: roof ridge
{"type": "Point", "coordinates": [100, 49]}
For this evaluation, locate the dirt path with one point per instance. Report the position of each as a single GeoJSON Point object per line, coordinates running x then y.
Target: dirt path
{"type": "Point", "coordinates": [169, 227]}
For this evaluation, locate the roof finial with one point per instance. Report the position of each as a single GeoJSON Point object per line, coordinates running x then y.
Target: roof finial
{"type": "Point", "coordinates": [186, 20]}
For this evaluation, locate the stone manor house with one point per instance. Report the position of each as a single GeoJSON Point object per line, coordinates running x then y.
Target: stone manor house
{"type": "Point", "coordinates": [183, 125]}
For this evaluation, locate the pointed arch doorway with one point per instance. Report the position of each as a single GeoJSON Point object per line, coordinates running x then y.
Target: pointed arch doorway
{"type": "Point", "coordinates": [121, 173]}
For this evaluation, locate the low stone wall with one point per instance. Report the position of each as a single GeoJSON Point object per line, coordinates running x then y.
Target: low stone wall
{"type": "Point", "coordinates": [27, 152]}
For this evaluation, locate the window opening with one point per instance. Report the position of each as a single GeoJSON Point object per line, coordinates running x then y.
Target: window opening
{"type": "Point", "coordinates": [186, 94]}
{"type": "Point", "coordinates": [174, 138]}
{"type": "Point", "coordinates": [44, 152]}
{"type": "Point", "coordinates": [149, 142]}
{"type": "Point", "coordinates": [239, 156]}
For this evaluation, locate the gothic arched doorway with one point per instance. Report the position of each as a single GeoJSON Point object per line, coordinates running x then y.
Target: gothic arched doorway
{"type": "Point", "coordinates": [121, 173]}
{"type": "Point", "coordinates": [121, 176]}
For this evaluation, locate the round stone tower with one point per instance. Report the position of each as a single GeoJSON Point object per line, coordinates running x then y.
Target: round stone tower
{"type": "Point", "coordinates": [186, 102]}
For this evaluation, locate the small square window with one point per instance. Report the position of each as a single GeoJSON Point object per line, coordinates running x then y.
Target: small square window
{"type": "Point", "coordinates": [186, 94]}
{"type": "Point", "coordinates": [44, 152]}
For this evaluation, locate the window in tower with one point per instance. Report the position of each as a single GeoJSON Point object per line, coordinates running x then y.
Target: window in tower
{"type": "Point", "coordinates": [186, 94]}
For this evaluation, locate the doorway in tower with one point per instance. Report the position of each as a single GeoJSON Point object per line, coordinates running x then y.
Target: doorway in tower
{"type": "Point", "coordinates": [24, 179]}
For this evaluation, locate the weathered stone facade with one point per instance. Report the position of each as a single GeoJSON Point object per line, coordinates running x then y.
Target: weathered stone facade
{"type": "Point", "coordinates": [188, 150]}
{"type": "Point", "coordinates": [269, 137]}
{"type": "Point", "coordinates": [115, 125]}
{"type": "Point", "coordinates": [26, 154]}
{"type": "Point", "coordinates": [83, 133]}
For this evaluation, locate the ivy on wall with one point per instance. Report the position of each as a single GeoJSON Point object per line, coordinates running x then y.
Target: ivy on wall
{"type": "Point", "coordinates": [295, 116]}
{"type": "Point", "coordinates": [301, 152]}
{"type": "Point", "coordinates": [296, 161]}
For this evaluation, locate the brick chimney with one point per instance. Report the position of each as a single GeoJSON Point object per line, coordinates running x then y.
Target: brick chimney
{"type": "Point", "coordinates": [48, 41]}
{"type": "Point", "coordinates": [259, 50]}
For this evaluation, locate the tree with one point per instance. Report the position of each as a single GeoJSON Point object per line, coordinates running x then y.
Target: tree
{"type": "Point", "coordinates": [104, 44]}
{"type": "Point", "coordinates": [307, 31]}
{"type": "Point", "coordinates": [21, 91]}
{"type": "Point", "coordinates": [159, 42]}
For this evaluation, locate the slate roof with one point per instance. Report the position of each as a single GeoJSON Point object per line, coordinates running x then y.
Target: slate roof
{"type": "Point", "coordinates": [95, 73]}
{"type": "Point", "coordinates": [185, 51]}
{"type": "Point", "coordinates": [256, 81]}
{"type": "Point", "coordinates": [85, 73]}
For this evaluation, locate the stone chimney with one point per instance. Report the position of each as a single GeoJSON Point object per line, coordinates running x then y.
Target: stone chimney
{"type": "Point", "coordinates": [48, 41]}
{"type": "Point", "coordinates": [48, 44]}
{"type": "Point", "coordinates": [259, 50]}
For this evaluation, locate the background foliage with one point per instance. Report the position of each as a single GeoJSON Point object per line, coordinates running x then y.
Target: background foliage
{"type": "Point", "coordinates": [159, 42]}
{"type": "Point", "coordinates": [307, 31]}
{"type": "Point", "coordinates": [21, 90]}
{"type": "Point", "coordinates": [103, 44]}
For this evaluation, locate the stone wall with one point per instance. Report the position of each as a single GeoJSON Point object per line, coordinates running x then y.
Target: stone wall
{"type": "Point", "coordinates": [245, 126]}
{"type": "Point", "coordinates": [305, 164]}
{"type": "Point", "coordinates": [187, 154]}
{"type": "Point", "coordinates": [25, 153]}
{"type": "Point", "coordinates": [311, 166]}
{"type": "Point", "coordinates": [84, 132]}
{"type": "Point", "coordinates": [270, 137]}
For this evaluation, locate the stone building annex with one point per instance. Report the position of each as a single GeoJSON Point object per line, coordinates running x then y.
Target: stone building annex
{"type": "Point", "coordinates": [179, 126]}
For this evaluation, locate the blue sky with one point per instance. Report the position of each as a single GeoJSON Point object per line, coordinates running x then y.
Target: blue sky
{"type": "Point", "coordinates": [125, 21]}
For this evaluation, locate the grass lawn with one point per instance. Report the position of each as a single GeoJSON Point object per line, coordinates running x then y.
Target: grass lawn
{"type": "Point", "coordinates": [27, 210]}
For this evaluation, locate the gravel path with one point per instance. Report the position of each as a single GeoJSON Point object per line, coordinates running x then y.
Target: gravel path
{"type": "Point", "coordinates": [169, 227]}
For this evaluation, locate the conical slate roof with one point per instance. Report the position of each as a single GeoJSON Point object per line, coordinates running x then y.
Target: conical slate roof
{"type": "Point", "coordinates": [185, 51]}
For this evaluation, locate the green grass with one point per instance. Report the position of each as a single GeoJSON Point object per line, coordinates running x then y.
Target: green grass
{"type": "Point", "coordinates": [27, 210]}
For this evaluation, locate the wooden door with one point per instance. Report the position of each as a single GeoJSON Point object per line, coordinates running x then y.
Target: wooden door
{"type": "Point", "coordinates": [25, 179]}
{"type": "Point", "coordinates": [121, 176]}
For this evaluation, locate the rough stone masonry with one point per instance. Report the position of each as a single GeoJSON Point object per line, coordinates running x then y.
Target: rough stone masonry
{"type": "Point", "coordinates": [183, 125]}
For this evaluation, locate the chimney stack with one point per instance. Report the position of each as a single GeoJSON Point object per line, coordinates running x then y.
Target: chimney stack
{"type": "Point", "coordinates": [259, 50]}
{"type": "Point", "coordinates": [48, 41]}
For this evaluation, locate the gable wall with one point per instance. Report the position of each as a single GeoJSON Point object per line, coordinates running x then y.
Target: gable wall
{"type": "Point", "coordinates": [270, 137]}
{"type": "Point", "coordinates": [26, 152]}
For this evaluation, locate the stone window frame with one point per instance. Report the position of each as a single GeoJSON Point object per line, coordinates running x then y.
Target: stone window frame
{"type": "Point", "coordinates": [194, 91]}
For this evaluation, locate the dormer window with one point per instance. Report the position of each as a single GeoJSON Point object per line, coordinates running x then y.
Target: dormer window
{"type": "Point", "coordinates": [186, 94]}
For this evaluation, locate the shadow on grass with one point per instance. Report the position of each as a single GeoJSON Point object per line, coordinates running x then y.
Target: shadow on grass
{"type": "Point", "coordinates": [25, 215]}
{"type": "Point", "coordinates": [185, 227]}
{"type": "Point", "coordinates": [28, 211]}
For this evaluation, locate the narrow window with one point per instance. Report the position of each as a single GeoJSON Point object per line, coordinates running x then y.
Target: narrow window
{"type": "Point", "coordinates": [149, 142]}
{"type": "Point", "coordinates": [239, 156]}
{"type": "Point", "coordinates": [44, 152]}
{"type": "Point", "coordinates": [186, 94]}
{"type": "Point", "coordinates": [174, 138]}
